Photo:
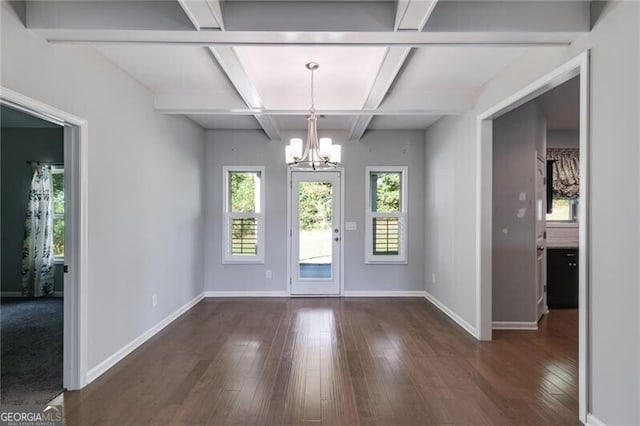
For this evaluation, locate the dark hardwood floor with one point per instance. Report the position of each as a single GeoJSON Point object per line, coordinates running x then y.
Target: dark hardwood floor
{"type": "Point", "coordinates": [336, 361]}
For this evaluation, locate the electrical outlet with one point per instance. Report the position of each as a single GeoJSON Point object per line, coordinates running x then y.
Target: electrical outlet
{"type": "Point", "coordinates": [433, 278]}
{"type": "Point", "coordinates": [154, 301]}
{"type": "Point", "coordinates": [268, 274]}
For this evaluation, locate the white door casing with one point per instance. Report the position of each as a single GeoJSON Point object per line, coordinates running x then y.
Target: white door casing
{"type": "Point", "coordinates": [315, 246]}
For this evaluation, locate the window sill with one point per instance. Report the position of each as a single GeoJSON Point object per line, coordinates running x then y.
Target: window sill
{"type": "Point", "coordinates": [58, 261]}
{"type": "Point", "coordinates": [386, 262]}
{"type": "Point", "coordinates": [243, 262]}
{"type": "Point", "coordinates": [558, 224]}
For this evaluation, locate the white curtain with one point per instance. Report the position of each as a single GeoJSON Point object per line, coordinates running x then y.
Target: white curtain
{"type": "Point", "coordinates": [37, 253]}
{"type": "Point", "coordinates": [566, 172]}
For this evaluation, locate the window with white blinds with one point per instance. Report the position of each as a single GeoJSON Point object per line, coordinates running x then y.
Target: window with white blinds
{"type": "Point", "coordinates": [243, 214]}
{"type": "Point", "coordinates": [386, 215]}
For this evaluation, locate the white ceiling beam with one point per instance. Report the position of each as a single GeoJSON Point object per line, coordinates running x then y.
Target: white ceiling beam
{"type": "Point", "coordinates": [207, 13]}
{"type": "Point", "coordinates": [165, 109]}
{"type": "Point", "coordinates": [203, 14]}
{"type": "Point", "coordinates": [429, 103]}
{"type": "Point", "coordinates": [391, 65]}
{"type": "Point", "coordinates": [274, 38]}
{"type": "Point", "coordinates": [412, 15]}
{"type": "Point", "coordinates": [231, 65]}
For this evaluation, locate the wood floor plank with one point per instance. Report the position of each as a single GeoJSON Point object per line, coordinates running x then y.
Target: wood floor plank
{"type": "Point", "coordinates": [336, 362]}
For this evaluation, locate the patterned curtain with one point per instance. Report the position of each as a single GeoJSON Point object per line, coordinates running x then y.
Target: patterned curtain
{"type": "Point", "coordinates": [37, 252]}
{"type": "Point", "coordinates": [566, 172]}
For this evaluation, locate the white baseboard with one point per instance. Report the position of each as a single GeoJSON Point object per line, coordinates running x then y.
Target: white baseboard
{"type": "Point", "coordinates": [383, 293]}
{"type": "Point", "coordinates": [105, 365]}
{"type": "Point", "coordinates": [514, 325]}
{"type": "Point", "coordinates": [246, 294]}
{"type": "Point", "coordinates": [455, 317]}
{"type": "Point", "coordinates": [19, 294]}
{"type": "Point", "coordinates": [594, 421]}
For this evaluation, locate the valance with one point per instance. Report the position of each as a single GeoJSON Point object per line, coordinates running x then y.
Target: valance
{"type": "Point", "coordinates": [566, 172]}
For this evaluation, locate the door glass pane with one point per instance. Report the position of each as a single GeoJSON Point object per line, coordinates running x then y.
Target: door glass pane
{"type": "Point", "coordinates": [315, 210]}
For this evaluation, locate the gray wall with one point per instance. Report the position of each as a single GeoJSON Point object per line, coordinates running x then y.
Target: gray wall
{"type": "Point", "coordinates": [253, 148]}
{"type": "Point", "coordinates": [451, 149]}
{"type": "Point", "coordinates": [145, 185]}
{"type": "Point", "coordinates": [563, 139]}
{"type": "Point", "coordinates": [18, 146]}
{"type": "Point", "coordinates": [518, 137]}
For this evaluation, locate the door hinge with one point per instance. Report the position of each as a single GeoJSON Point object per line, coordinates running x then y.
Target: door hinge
{"type": "Point", "coordinates": [544, 235]}
{"type": "Point", "coordinates": [545, 288]}
{"type": "Point", "coordinates": [291, 232]}
{"type": "Point", "coordinates": [65, 269]}
{"type": "Point", "coordinates": [290, 281]}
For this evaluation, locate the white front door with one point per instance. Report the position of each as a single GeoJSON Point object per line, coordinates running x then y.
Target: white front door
{"type": "Point", "coordinates": [315, 233]}
{"type": "Point", "coordinates": [541, 235]}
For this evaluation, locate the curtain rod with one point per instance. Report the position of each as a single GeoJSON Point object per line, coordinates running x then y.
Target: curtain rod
{"type": "Point", "coordinates": [52, 163]}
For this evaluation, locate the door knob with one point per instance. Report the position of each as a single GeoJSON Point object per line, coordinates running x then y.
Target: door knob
{"type": "Point", "coordinates": [336, 239]}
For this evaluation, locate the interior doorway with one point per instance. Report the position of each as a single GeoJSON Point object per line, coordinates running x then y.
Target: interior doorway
{"type": "Point", "coordinates": [315, 233]}
{"type": "Point", "coordinates": [575, 68]}
{"type": "Point", "coordinates": [67, 236]}
{"type": "Point", "coordinates": [32, 227]}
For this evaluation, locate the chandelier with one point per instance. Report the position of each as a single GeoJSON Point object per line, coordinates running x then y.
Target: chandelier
{"type": "Point", "coordinates": [317, 154]}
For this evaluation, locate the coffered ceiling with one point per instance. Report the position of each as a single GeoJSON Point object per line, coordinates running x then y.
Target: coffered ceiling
{"type": "Point", "coordinates": [239, 64]}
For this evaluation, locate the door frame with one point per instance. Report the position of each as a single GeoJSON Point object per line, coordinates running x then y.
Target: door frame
{"type": "Point", "coordinates": [290, 170]}
{"type": "Point", "coordinates": [577, 66]}
{"type": "Point", "coordinates": [76, 231]}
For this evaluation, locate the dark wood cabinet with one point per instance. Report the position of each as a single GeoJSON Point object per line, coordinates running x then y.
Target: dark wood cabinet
{"type": "Point", "coordinates": [562, 278]}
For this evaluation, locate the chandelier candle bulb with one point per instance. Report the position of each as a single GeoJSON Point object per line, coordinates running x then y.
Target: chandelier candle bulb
{"type": "Point", "coordinates": [325, 147]}
{"type": "Point", "coordinates": [336, 154]}
{"type": "Point", "coordinates": [289, 154]}
{"type": "Point", "coordinates": [296, 148]}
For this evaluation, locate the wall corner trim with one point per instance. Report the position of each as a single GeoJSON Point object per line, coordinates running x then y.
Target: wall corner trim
{"type": "Point", "coordinates": [105, 365]}
{"type": "Point", "coordinates": [455, 317]}
{"type": "Point", "coordinates": [216, 293]}
{"type": "Point", "coordinates": [514, 325]}
{"type": "Point", "coordinates": [594, 421]}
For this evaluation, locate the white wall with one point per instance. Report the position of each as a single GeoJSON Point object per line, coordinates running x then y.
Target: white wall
{"type": "Point", "coordinates": [246, 148]}
{"type": "Point", "coordinates": [145, 185]}
{"type": "Point", "coordinates": [615, 233]}
{"type": "Point", "coordinates": [563, 139]}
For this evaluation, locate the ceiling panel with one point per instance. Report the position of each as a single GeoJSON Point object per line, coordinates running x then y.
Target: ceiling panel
{"type": "Point", "coordinates": [561, 106]}
{"type": "Point", "coordinates": [175, 69]}
{"type": "Point", "coordinates": [343, 81]}
{"type": "Point", "coordinates": [454, 70]}
{"type": "Point", "coordinates": [402, 122]}
{"type": "Point", "coordinates": [226, 122]}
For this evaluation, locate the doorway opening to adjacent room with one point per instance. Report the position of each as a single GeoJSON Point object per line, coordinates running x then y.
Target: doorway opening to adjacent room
{"type": "Point", "coordinates": [315, 233]}
{"type": "Point", "coordinates": [531, 205]}
{"type": "Point", "coordinates": [69, 221]}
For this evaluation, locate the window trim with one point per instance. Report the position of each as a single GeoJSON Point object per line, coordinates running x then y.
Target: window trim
{"type": "Point", "coordinates": [402, 215]}
{"type": "Point", "coordinates": [58, 170]}
{"type": "Point", "coordinates": [227, 215]}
